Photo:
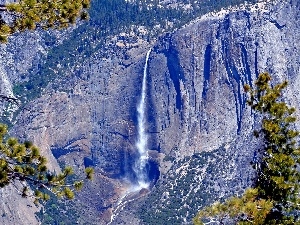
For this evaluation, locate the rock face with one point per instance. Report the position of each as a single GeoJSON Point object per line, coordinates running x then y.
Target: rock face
{"type": "Point", "coordinates": [16, 210]}
{"type": "Point", "coordinates": [198, 74]}
{"type": "Point", "coordinates": [202, 122]}
{"type": "Point", "coordinates": [199, 127]}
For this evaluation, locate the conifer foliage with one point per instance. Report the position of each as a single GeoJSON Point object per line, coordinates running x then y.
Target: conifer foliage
{"type": "Point", "coordinates": [22, 166]}
{"type": "Point", "coordinates": [30, 14]}
{"type": "Point", "coordinates": [248, 209]}
{"type": "Point", "coordinates": [274, 199]}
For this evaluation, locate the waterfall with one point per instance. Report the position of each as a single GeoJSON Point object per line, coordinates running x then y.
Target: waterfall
{"type": "Point", "coordinates": [140, 167]}
{"type": "Point", "coordinates": [141, 144]}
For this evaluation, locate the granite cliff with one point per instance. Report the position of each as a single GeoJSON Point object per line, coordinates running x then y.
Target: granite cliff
{"type": "Point", "coordinates": [204, 126]}
{"type": "Point", "coordinates": [199, 127]}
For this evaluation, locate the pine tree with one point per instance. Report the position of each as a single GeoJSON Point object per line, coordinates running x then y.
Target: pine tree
{"type": "Point", "coordinates": [30, 14]}
{"type": "Point", "coordinates": [275, 196]}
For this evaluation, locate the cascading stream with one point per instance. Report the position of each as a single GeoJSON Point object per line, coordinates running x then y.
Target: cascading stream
{"type": "Point", "coordinates": [140, 166]}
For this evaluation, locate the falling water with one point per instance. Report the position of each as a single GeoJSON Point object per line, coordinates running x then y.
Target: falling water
{"type": "Point", "coordinates": [141, 144]}
{"type": "Point", "coordinates": [140, 167]}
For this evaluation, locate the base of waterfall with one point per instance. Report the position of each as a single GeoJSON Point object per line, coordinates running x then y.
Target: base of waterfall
{"type": "Point", "coordinates": [134, 192]}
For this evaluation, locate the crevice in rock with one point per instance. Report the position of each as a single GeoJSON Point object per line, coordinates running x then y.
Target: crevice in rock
{"type": "Point", "coordinates": [206, 71]}
{"type": "Point", "coordinates": [277, 24]}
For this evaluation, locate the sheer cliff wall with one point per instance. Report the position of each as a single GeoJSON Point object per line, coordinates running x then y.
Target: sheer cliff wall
{"type": "Point", "coordinates": [202, 122]}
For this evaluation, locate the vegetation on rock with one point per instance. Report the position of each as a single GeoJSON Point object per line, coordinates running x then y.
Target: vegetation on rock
{"type": "Point", "coordinates": [275, 196]}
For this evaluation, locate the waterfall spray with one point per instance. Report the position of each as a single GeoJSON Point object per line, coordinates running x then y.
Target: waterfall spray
{"type": "Point", "coordinates": [140, 167]}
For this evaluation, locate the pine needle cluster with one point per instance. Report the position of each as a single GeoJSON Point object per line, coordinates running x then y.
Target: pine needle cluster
{"type": "Point", "coordinates": [22, 166]}
{"type": "Point", "coordinates": [30, 14]}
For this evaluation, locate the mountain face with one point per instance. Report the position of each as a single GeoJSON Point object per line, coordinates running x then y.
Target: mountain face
{"type": "Point", "coordinates": [203, 122]}
{"type": "Point", "coordinates": [198, 125]}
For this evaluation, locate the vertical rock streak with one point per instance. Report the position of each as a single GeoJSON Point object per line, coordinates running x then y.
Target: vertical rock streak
{"type": "Point", "coordinates": [140, 167]}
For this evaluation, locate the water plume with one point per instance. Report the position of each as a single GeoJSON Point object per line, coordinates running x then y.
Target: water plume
{"type": "Point", "coordinates": [141, 144]}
